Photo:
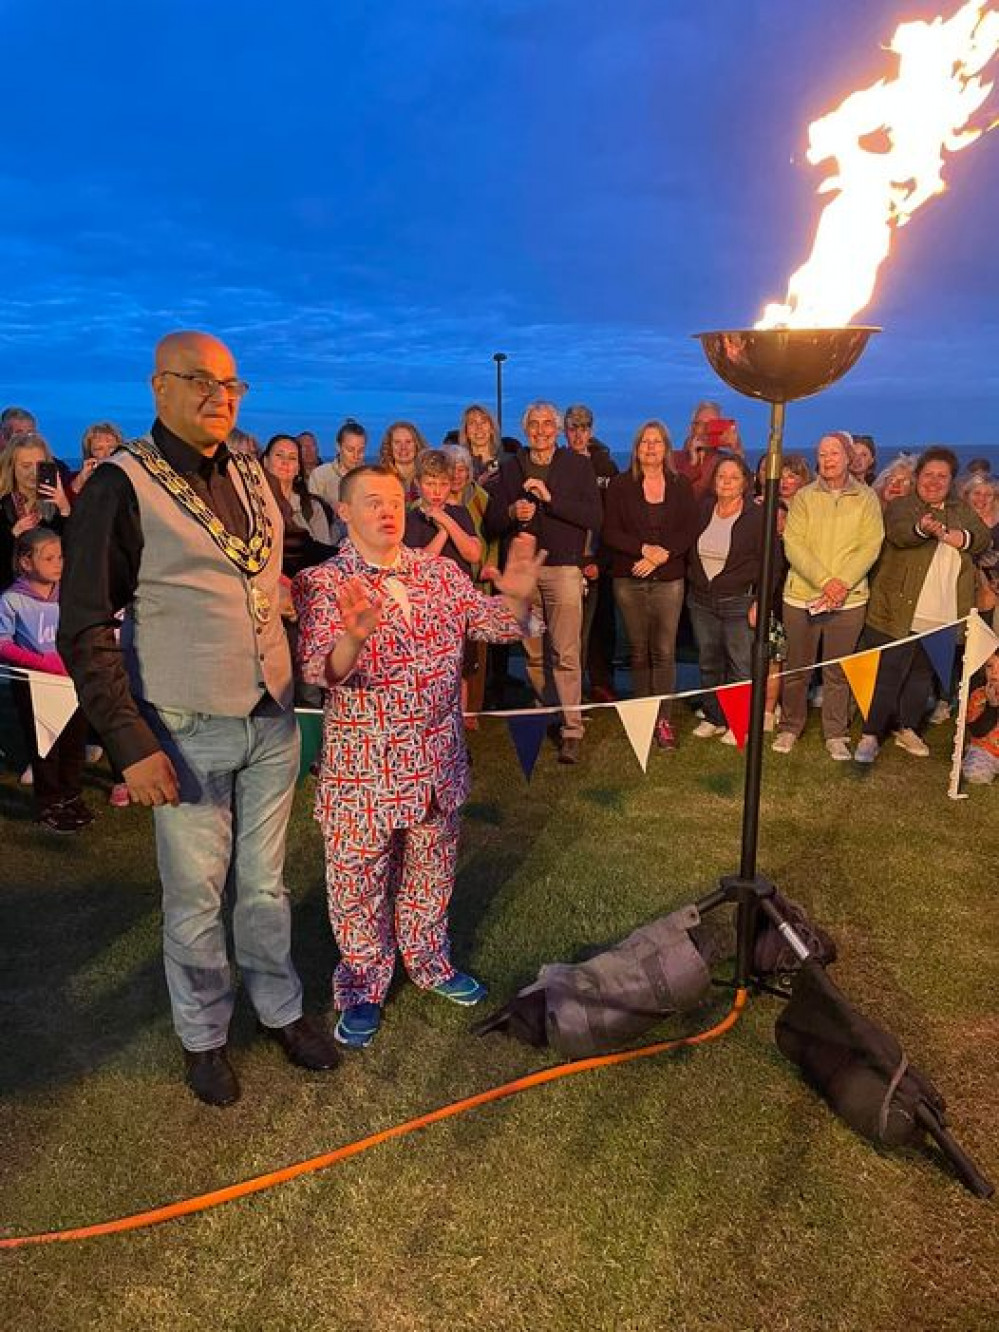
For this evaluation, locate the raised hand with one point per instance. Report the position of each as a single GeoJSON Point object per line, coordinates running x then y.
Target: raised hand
{"type": "Point", "coordinates": [520, 573]}
{"type": "Point", "coordinates": [361, 614]}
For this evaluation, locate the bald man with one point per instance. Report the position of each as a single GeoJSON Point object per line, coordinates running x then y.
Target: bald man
{"type": "Point", "coordinates": [195, 703]}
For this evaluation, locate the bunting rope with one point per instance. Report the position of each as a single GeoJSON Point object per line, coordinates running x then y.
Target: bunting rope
{"type": "Point", "coordinates": [20, 672]}
{"type": "Point", "coordinates": [639, 724]}
{"type": "Point", "coordinates": [259, 1183]}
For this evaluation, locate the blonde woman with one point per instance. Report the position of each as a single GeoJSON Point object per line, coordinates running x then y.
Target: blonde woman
{"type": "Point", "coordinates": [401, 445]}
{"type": "Point", "coordinates": [32, 494]}
{"type": "Point", "coordinates": [99, 442]}
{"type": "Point", "coordinates": [478, 434]}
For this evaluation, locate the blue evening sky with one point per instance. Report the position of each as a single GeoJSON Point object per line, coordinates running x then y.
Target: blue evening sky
{"type": "Point", "coordinates": [366, 200]}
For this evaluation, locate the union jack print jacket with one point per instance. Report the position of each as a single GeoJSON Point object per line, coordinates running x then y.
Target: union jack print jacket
{"type": "Point", "coordinates": [393, 735]}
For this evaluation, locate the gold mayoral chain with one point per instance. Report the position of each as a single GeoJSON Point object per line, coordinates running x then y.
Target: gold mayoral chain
{"type": "Point", "coordinates": [250, 555]}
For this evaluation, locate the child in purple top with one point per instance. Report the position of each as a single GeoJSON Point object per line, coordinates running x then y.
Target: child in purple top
{"type": "Point", "coordinates": [29, 621]}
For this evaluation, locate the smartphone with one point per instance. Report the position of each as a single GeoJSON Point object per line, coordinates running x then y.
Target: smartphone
{"type": "Point", "coordinates": [48, 474]}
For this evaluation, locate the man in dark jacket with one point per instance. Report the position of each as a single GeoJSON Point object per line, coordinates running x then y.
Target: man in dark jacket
{"type": "Point", "coordinates": [551, 493]}
{"type": "Point", "coordinates": [599, 625]}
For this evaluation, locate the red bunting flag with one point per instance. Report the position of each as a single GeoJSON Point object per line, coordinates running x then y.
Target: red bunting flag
{"type": "Point", "coordinates": [734, 702]}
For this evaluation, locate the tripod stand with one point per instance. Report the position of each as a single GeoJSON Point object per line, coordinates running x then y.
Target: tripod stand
{"type": "Point", "coordinates": [779, 366]}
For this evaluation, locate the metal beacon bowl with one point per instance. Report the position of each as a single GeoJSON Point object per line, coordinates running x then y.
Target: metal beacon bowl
{"type": "Point", "coordinates": [782, 364]}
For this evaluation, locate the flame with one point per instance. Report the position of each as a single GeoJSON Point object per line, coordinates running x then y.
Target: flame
{"type": "Point", "coordinates": [887, 143]}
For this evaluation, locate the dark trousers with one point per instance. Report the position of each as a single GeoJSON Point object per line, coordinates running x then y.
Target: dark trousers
{"type": "Point", "coordinates": [905, 679]}
{"type": "Point", "coordinates": [59, 775]}
{"type": "Point", "coordinates": [651, 614]}
{"type": "Point", "coordinates": [599, 631]}
{"type": "Point", "coordinates": [724, 644]}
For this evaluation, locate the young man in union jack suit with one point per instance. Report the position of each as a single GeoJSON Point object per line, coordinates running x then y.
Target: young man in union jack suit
{"type": "Point", "coordinates": [382, 628]}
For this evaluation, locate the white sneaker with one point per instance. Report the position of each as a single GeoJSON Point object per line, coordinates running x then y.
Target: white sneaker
{"type": "Point", "coordinates": [784, 742]}
{"type": "Point", "coordinates": [941, 713]}
{"type": "Point", "coordinates": [839, 750]}
{"type": "Point", "coordinates": [867, 749]}
{"type": "Point", "coordinates": [94, 753]}
{"type": "Point", "coordinates": [815, 700]}
{"type": "Point", "coordinates": [908, 740]}
{"type": "Point", "coordinates": [705, 730]}
{"type": "Point", "coordinates": [728, 738]}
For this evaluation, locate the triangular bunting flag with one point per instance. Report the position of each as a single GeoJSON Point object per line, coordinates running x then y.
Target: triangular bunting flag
{"type": "Point", "coordinates": [940, 648]}
{"type": "Point", "coordinates": [527, 732]}
{"type": "Point", "coordinates": [53, 701]}
{"type": "Point", "coordinates": [861, 670]}
{"type": "Point", "coordinates": [310, 730]}
{"type": "Point", "coordinates": [638, 717]}
{"type": "Point", "coordinates": [734, 702]}
{"type": "Point", "coordinates": [981, 644]}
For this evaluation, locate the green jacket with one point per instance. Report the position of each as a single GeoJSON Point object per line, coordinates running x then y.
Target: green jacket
{"type": "Point", "coordinates": [832, 534]}
{"type": "Point", "coordinates": [907, 556]}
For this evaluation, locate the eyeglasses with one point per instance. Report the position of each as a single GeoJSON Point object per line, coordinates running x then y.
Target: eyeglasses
{"type": "Point", "coordinates": [208, 387]}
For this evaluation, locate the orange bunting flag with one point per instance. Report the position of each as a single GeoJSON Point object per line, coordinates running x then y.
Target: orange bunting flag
{"type": "Point", "coordinates": [734, 702]}
{"type": "Point", "coordinates": [862, 672]}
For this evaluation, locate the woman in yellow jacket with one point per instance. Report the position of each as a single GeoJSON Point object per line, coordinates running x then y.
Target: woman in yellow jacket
{"type": "Point", "coordinates": [832, 537]}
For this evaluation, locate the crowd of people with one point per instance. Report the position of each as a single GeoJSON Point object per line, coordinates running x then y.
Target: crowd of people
{"type": "Point", "coordinates": [200, 564]}
{"type": "Point", "coordinates": [863, 560]}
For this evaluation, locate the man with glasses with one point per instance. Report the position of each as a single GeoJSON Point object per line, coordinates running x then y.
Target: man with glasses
{"type": "Point", "coordinates": [551, 493]}
{"type": "Point", "coordinates": [194, 705]}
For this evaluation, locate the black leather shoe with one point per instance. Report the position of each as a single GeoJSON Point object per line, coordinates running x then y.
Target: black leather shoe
{"type": "Point", "coordinates": [305, 1044]}
{"type": "Point", "coordinates": [210, 1076]}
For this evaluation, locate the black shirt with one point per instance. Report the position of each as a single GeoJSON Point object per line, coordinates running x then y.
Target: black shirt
{"type": "Point", "coordinates": [103, 550]}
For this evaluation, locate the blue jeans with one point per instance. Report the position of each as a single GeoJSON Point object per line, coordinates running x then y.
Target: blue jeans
{"type": "Point", "coordinates": [237, 782]}
{"type": "Point", "coordinates": [724, 645]}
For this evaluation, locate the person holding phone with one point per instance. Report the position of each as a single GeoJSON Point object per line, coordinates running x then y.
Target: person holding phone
{"type": "Point", "coordinates": [709, 433]}
{"type": "Point", "coordinates": [32, 493]}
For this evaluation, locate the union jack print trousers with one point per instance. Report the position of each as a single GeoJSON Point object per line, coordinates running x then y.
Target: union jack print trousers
{"type": "Point", "coordinates": [386, 893]}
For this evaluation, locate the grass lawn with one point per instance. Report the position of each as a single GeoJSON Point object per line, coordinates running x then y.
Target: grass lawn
{"type": "Point", "coordinates": [708, 1190]}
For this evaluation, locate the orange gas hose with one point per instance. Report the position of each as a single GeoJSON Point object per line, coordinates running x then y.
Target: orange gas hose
{"type": "Point", "coordinates": [217, 1197]}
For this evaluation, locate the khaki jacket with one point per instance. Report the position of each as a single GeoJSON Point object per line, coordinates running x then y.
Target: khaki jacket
{"type": "Point", "coordinates": [832, 534]}
{"type": "Point", "coordinates": [907, 556]}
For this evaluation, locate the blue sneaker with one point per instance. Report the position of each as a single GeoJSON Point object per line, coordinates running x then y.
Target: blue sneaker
{"type": "Point", "coordinates": [461, 989]}
{"type": "Point", "coordinates": [358, 1025]}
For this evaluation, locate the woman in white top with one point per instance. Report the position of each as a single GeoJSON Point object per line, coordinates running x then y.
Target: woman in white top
{"type": "Point", "coordinates": [924, 581]}
{"type": "Point", "coordinates": [723, 573]}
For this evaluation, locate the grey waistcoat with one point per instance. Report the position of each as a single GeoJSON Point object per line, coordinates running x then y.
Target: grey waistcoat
{"type": "Point", "coordinates": [189, 638]}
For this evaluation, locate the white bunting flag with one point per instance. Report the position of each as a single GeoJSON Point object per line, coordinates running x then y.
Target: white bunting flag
{"type": "Point", "coordinates": [979, 645]}
{"type": "Point", "coordinates": [53, 701]}
{"type": "Point", "coordinates": [638, 717]}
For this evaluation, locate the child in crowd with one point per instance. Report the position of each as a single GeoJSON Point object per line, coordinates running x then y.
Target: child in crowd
{"type": "Point", "coordinates": [981, 758]}
{"type": "Point", "coordinates": [436, 527]}
{"type": "Point", "coordinates": [29, 619]}
{"type": "Point", "coordinates": [432, 524]}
